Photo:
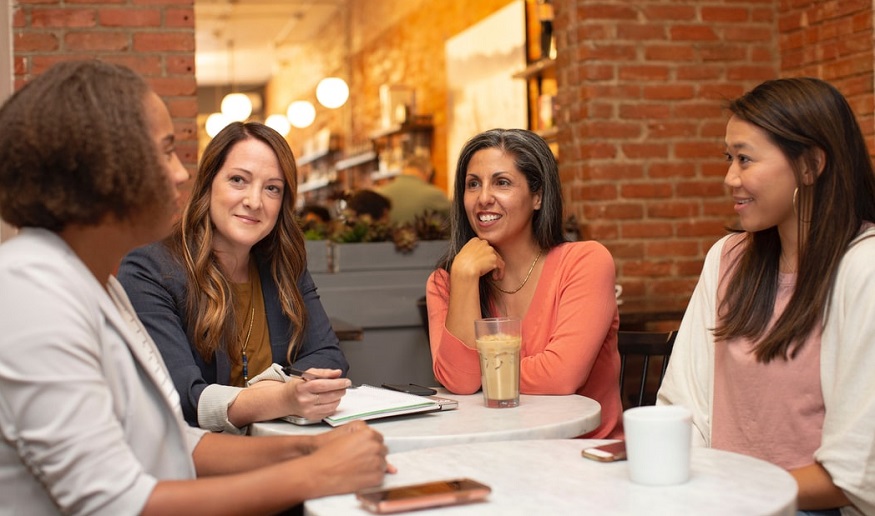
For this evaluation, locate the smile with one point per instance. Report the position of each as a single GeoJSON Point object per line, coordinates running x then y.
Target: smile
{"type": "Point", "coordinates": [488, 218]}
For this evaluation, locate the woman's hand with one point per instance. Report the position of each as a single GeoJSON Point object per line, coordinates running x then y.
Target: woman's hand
{"type": "Point", "coordinates": [316, 399]}
{"type": "Point", "coordinates": [477, 258]}
{"type": "Point", "coordinates": [350, 457]}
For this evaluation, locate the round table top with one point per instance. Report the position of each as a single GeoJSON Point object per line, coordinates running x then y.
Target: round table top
{"type": "Point", "coordinates": [551, 477]}
{"type": "Point", "coordinates": [536, 417]}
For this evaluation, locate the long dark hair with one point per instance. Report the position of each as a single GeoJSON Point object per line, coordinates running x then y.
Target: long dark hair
{"type": "Point", "coordinates": [209, 296]}
{"type": "Point", "coordinates": [533, 157]}
{"type": "Point", "coordinates": [802, 117]}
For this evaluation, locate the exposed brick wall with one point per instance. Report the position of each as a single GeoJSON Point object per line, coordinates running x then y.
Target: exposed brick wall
{"type": "Point", "coordinates": [153, 37]}
{"type": "Point", "coordinates": [641, 88]}
{"type": "Point", "coordinates": [833, 41]}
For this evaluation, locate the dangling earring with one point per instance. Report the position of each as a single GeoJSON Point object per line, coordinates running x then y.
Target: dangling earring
{"type": "Point", "coordinates": [795, 195]}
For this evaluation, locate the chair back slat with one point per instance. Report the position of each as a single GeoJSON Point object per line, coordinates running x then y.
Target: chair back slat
{"type": "Point", "coordinates": [644, 344]}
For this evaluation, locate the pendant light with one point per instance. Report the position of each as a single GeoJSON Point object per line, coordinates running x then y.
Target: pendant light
{"type": "Point", "coordinates": [279, 123]}
{"type": "Point", "coordinates": [301, 113]}
{"type": "Point", "coordinates": [332, 92]}
{"type": "Point", "coordinates": [235, 106]}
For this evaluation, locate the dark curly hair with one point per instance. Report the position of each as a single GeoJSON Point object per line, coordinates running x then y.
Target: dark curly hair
{"type": "Point", "coordinates": [74, 148]}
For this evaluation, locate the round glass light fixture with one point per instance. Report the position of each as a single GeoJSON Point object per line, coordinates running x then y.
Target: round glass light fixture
{"type": "Point", "coordinates": [236, 106]}
{"type": "Point", "coordinates": [279, 123]}
{"type": "Point", "coordinates": [215, 123]}
{"type": "Point", "coordinates": [301, 113]}
{"type": "Point", "coordinates": [332, 92]}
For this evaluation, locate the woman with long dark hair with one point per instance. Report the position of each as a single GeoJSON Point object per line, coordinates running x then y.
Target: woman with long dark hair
{"type": "Point", "coordinates": [774, 355]}
{"type": "Point", "coordinates": [508, 257]}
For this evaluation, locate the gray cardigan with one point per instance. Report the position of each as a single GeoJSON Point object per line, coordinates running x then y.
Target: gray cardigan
{"type": "Point", "coordinates": [155, 282]}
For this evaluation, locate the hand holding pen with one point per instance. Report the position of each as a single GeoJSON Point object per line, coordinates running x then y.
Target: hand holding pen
{"type": "Point", "coordinates": [317, 393]}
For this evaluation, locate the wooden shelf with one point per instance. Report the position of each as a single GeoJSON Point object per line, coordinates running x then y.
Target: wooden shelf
{"type": "Point", "coordinates": [355, 160]}
{"type": "Point", "coordinates": [314, 184]}
{"type": "Point", "coordinates": [548, 134]}
{"type": "Point", "coordinates": [536, 68]}
{"type": "Point", "coordinates": [376, 176]}
{"type": "Point", "coordinates": [309, 158]}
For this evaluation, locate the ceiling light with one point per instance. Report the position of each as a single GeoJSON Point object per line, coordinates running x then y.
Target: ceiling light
{"type": "Point", "coordinates": [332, 92]}
{"type": "Point", "coordinates": [301, 113]}
{"type": "Point", "coordinates": [236, 106]}
{"type": "Point", "coordinates": [215, 123]}
{"type": "Point", "coordinates": [279, 123]}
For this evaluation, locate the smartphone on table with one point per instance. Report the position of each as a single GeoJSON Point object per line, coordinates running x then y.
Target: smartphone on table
{"type": "Point", "coordinates": [385, 500]}
{"type": "Point", "coordinates": [410, 388]}
{"type": "Point", "coordinates": [610, 452]}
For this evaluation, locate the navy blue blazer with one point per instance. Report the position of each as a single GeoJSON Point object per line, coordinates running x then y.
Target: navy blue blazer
{"type": "Point", "coordinates": [155, 282]}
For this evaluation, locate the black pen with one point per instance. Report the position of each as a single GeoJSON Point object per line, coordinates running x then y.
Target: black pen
{"type": "Point", "coordinates": [304, 375]}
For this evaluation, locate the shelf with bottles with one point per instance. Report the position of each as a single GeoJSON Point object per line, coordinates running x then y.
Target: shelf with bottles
{"type": "Point", "coordinates": [395, 144]}
{"type": "Point", "coordinates": [316, 163]}
{"type": "Point", "coordinates": [540, 73]}
{"type": "Point", "coordinates": [353, 172]}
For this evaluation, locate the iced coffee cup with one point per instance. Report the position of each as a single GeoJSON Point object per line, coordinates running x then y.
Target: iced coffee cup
{"type": "Point", "coordinates": [498, 343]}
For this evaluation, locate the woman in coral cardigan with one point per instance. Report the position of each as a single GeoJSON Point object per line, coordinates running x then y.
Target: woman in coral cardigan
{"type": "Point", "coordinates": [508, 257]}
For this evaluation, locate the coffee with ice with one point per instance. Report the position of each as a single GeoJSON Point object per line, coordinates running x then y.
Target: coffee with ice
{"type": "Point", "coordinates": [498, 343]}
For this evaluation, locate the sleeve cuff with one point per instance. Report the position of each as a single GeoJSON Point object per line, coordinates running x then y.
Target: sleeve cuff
{"type": "Point", "coordinates": [212, 409]}
{"type": "Point", "coordinates": [273, 373]}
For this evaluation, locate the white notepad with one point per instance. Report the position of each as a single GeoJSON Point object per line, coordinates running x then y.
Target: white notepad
{"type": "Point", "coordinates": [368, 402]}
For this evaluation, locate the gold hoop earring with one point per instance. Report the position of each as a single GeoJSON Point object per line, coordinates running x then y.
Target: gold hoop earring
{"type": "Point", "coordinates": [795, 195]}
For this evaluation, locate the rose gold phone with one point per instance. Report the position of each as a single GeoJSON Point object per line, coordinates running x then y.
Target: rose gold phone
{"type": "Point", "coordinates": [419, 496]}
{"type": "Point", "coordinates": [606, 452]}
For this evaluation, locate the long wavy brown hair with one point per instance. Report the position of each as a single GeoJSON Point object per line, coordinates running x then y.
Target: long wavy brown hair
{"type": "Point", "coordinates": [210, 307]}
{"type": "Point", "coordinates": [802, 116]}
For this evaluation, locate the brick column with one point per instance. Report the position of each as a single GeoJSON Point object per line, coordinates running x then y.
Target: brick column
{"type": "Point", "coordinates": [641, 88]}
{"type": "Point", "coordinates": [153, 37]}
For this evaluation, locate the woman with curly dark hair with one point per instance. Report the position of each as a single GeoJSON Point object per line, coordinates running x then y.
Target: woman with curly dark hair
{"type": "Point", "coordinates": [89, 420]}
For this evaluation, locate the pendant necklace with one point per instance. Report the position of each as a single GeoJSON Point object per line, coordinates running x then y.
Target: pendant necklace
{"type": "Point", "coordinates": [526, 280]}
{"type": "Point", "coordinates": [245, 367]}
{"type": "Point", "coordinates": [245, 344]}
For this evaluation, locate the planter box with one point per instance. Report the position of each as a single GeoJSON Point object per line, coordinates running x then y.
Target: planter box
{"type": "Point", "coordinates": [380, 256]}
{"type": "Point", "coordinates": [317, 255]}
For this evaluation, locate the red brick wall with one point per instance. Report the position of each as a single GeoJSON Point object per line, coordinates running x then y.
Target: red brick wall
{"type": "Point", "coordinates": [641, 88]}
{"type": "Point", "coordinates": [153, 37]}
{"type": "Point", "coordinates": [833, 41]}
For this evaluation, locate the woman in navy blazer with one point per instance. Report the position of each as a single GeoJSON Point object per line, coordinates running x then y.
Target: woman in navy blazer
{"type": "Point", "coordinates": [228, 298]}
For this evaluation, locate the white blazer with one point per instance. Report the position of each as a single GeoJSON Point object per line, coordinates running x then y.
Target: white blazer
{"type": "Point", "coordinates": [89, 418]}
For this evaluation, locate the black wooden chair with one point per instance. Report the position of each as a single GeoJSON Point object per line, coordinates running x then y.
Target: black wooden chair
{"type": "Point", "coordinates": [642, 346]}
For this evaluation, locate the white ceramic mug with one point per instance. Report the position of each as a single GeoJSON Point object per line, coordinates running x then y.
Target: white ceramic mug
{"type": "Point", "coordinates": [658, 442]}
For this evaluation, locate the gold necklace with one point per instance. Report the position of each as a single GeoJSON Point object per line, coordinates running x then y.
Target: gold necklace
{"type": "Point", "coordinates": [526, 280]}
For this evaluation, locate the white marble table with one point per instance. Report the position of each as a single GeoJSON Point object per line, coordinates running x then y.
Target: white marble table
{"type": "Point", "coordinates": [536, 417]}
{"type": "Point", "coordinates": [550, 477]}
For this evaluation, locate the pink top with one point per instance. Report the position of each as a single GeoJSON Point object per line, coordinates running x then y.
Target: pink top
{"type": "Point", "coordinates": [569, 334]}
{"type": "Point", "coordinates": [758, 406]}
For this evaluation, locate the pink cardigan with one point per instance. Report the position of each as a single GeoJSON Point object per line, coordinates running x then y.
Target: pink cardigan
{"type": "Point", "coordinates": [569, 334]}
